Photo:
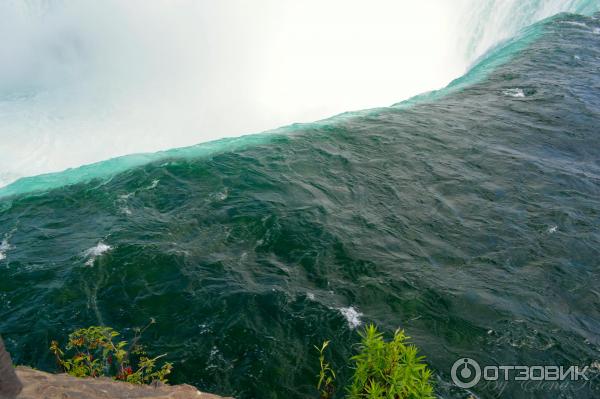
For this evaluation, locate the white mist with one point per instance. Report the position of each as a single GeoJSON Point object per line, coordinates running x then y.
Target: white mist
{"type": "Point", "coordinates": [82, 81]}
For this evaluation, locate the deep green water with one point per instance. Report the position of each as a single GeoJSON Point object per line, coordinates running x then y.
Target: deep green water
{"type": "Point", "coordinates": [470, 219]}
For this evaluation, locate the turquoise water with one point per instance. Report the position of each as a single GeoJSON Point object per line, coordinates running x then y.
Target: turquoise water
{"type": "Point", "coordinates": [468, 217]}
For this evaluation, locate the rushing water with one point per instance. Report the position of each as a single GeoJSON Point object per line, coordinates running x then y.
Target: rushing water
{"type": "Point", "coordinates": [84, 81]}
{"type": "Point", "coordinates": [468, 217]}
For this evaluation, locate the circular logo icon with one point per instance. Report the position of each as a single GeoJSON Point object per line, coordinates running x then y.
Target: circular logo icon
{"type": "Point", "coordinates": [466, 372]}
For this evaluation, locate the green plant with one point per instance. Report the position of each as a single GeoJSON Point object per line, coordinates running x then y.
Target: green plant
{"type": "Point", "coordinates": [326, 374]}
{"type": "Point", "coordinates": [96, 352]}
{"type": "Point", "coordinates": [386, 370]}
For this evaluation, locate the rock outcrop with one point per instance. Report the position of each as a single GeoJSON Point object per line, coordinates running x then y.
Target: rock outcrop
{"type": "Point", "coordinates": [9, 383]}
{"type": "Point", "coordinates": [41, 385]}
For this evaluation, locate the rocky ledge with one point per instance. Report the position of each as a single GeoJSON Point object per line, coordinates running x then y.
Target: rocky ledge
{"type": "Point", "coordinates": [41, 385]}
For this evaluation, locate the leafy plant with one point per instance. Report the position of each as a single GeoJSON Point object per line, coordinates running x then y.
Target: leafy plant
{"type": "Point", "coordinates": [326, 374]}
{"type": "Point", "coordinates": [386, 370]}
{"type": "Point", "coordinates": [96, 352]}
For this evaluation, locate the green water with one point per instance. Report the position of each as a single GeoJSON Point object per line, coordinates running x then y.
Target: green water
{"type": "Point", "coordinates": [469, 219]}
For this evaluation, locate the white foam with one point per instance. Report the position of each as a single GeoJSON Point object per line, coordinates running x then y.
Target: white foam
{"type": "Point", "coordinates": [221, 195]}
{"type": "Point", "coordinates": [575, 23]}
{"type": "Point", "coordinates": [122, 203]}
{"type": "Point", "coordinates": [515, 92]}
{"type": "Point", "coordinates": [352, 316]}
{"type": "Point", "coordinates": [596, 31]}
{"type": "Point", "coordinates": [4, 247]}
{"type": "Point", "coordinates": [153, 185]}
{"type": "Point", "coordinates": [95, 252]}
{"type": "Point", "coordinates": [552, 229]}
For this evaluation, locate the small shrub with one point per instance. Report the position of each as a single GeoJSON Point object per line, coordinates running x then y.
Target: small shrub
{"type": "Point", "coordinates": [385, 370]}
{"type": "Point", "coordinates": [96, 352]}
{"type": "Point", "coordinates": [326, 374]}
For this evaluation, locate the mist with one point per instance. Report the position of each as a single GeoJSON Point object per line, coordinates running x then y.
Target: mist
{"type": "Point", "coordinates": [83, 81]}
